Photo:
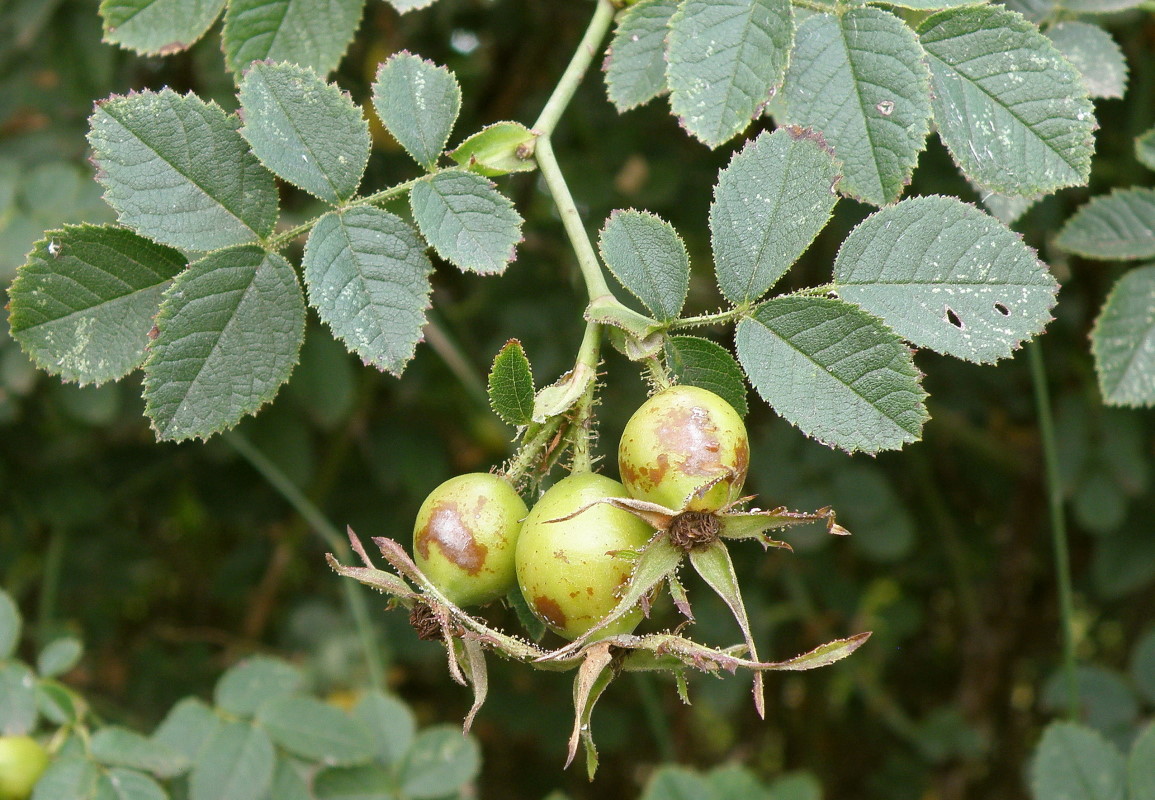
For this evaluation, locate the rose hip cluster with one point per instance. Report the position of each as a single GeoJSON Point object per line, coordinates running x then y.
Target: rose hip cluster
{"type": "Point", "coordinates": [685, 449]}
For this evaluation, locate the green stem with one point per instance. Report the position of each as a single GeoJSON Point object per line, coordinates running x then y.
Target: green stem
{"type": "Point", "coordinates": [1058, 525]}
{"type": "Point", "coordinates": [284, 238]}
{"type": "Point", "coordinates": [50, 582]}
{"type": "Point", "coordinates": [354, 594]}
{"type": "Point", "coordinates": [579, 64]}
{"type": "Point", "coordinates": [718, 318]}
{"type": "Point", "coordinates": [583, 418]}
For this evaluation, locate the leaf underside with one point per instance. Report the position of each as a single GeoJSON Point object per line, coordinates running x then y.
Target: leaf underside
{"type": "Point", "coordinates": [1120, 225]}
{"type": "Point", "coordinates": [418, 103]}
{"type": "Point", "coordinates": [635, 64]}
{"type": "Point", "coordinates": [158, 27]}
{"type": "Point", "coordinates": [311, 33]}
{"type": "Point", "coordinates": [1096, 56]}
{"type": "Point", "coordinates": [647, 257]}
{"type": "Point", "coordinates": [467, 220]}
{"type": "Point", "coordinates": [1123, 340]}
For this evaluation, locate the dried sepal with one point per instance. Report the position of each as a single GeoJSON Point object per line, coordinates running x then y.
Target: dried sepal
{"type": "Point", "coordinates": [591, 680]}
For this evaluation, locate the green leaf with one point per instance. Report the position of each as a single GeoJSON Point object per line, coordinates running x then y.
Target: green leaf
{"type": "Point", "coordinates": [927, 5]}
{"type": "Point", "coordinates": [834, 371]}
{"type": "Point", "coordinates": [1145, 148]}
{"type": "Point", "coordinates": [312, 33]}
{"type": "Point", "coordinates": [441, 761]}
{"type": "Point", "coordinates": [860, 79]}
{"type": "Point", "coordinates": [699, 362]}
{"type": "Point", "coordinates": [498, 149]}
{"type": "Point", "coordinates": [10, 625]}
{"type": "Point", "coordinates": [1099, 6]}
{"type": "Point", "coordinates": [736, 782]}
{"type": "Point", "coordinates": [84, 301]}
{"type": "Point", "coordinates": [120, 747]}
{"type": "Point", "coordinates": [469, 223]}
{"type": "Point", "coordinates": [511, 390]}
{"type": "Point", "coordinates": [317, 731]}
{"type": "Point", "coordinates": [57, 703]}
{"type": "Point", "coordinates": [948, 277]}
{"type": "Point", "coordinates": [1143, 665]}
{"type": "Point", "coordinates": [418, 103]}
{"type": "Point", "coordinates": [59, 656]}
{"type": "Point", "coordinates": [227, 338]}
{"type": "Point", "coordinates": [390, 723]}
{"type": "Point", "coordinates": [1141, 766]}
{"type": "Point", "coordinates": [367, 782]}
{"type": "Point", "coordinates": [158, 27]}
{"type": "Point", "coordinates": [176, 170]}
{"type": "Point", "coordinates": [1073, 762]}
{"type": "Point", "coordinates": [796, 786]}
{"type": "Point", "coordinates": [235, 762]}
{"type": "Point", "coordinates": [305, 130]}
{"type": "Point", "coordinates": [770, 202]}
{"type": "Point", "coordinates": [1123, 341]}
{"type": "Point", "coordinates": [250, 683]}
{"type": "Point", "coordinates": [725, 59]}
{"type": "Point", "coordinates": [126, 784]}
{"type": "Point", "coordinates": [1120, 225]}
{"type": "Point", "coordinates": [188, 726]}
{"type": "Point", "coordinates": [1096, 56]}
{"type": "Point", "coordinates": [1011, 110]}
{"type": "Point", "coordinates": [1034, 10]}
{"type": "Point", "coordinates": [288, 782]}
{"type": "Point", "coordinates": [18, 710]}
{"type": "Point", "coordinates": [368, 277]}
{"type": "Point", "coordinates": [635, 63]}
{"type": "Point", "coordinates": [648, 257]}
{"type": "Point", "coordinates": [677, 783]}
{"type": "Point", "coordinates": [68, 778]}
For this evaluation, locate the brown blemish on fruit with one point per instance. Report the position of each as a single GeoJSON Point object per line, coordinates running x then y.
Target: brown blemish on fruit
{"type": "Point", "coordinates": [741, 461]}
{"type": "Point", "coordinates": [453, 538]}
{"type": "Point", "coordinates": [550, 611]}
{"type": "Point", "coordinates": [690, 432]}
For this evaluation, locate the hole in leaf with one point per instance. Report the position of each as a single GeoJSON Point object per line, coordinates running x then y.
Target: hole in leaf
{"type": "Point", "coordinates": [999, 307]}
{"type": "Point", "coordinates": [953, 318]}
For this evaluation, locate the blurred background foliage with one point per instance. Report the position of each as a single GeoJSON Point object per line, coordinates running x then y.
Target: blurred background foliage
{"type": "Point", "coordinates": [174, 561]}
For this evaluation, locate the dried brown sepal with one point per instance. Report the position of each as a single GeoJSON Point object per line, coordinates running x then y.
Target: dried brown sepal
{"type": "Point", "coordinates": [693, 529]}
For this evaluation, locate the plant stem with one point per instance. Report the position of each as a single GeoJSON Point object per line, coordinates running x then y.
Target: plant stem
{"type": "Point", "coordinates": [580, 62]}
{"type": "Point", "coordinates": [50, 582]}
{"type": "Point", "coordinates": [284, 238]}
{"type": "Point", "coordinates": [354, 594]}
{"type": "Point", "coordinates": [717, 318]}
{"type": "Point", "coordinates": [1058, 525]}
{"type": "Point", "coordinates": [582, 425]}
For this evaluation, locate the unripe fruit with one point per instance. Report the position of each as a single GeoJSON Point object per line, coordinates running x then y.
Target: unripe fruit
{"type": "Point", "coordinates": [22, 762]}
{"type": "Point", "coordinates": [679, 441]}
{"type": "Point", "coordinates": [465, 535]}
{"type": "Point", "coordinates": [565, 569]}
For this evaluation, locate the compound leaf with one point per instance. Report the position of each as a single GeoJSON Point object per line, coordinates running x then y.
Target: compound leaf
{"type": "Point", "coordinates": [312, 33]}
{"type": "Point", "coordinates": [1123, 341]}
{"type": "Point", "coordinates": [834, 371]}
{"type": "Point", "coordinates": [365, 782]}
{"type": "Point", "coordinates": [158, 27]}
{"type": "Point", "coordinates": [770, 202]}
{"type": "Point", "coordinates": [860, 78]}
{"type": "Point", "coordinates": [115, 746]}
{"type": "Point", "coordinates": [648, 257]}
{"type": "Point", "coordinates": [177, 171]}
{"type": "Point", "coordinates": [699, 362]}
{"type": "Point", "coordinates": [189, 724]}
{"type": "Point", "coordinates": [305, 130]}
{"type": "Point", "coordinates": [83, 303]}
{"type": "Point", "coordinates": [1120, 225]}
{"type": "Point", "coordinates": [315, 730]}
{"type": "Point", "coordinates": [725, 59]}
{"type": "Point", "coordinates": [228, 334]}
{"type": "Point", "coordinates": [59, 656]}
{"type": "Point", "coordinates": [418, 102]}
{"type": "Point", "coordinates": [467, 220]}
{"type": "Point", "coordinates": [1012, 111]}
{"type": "Point", "coordinates": [236, 762]}
{"type": "Point", "coordinates": [391, 725]}
{"type": "Point", "coordinates": [1096, 56]}
{"type": "Point", "coordinates": [946, 276]}
{"type": "Point", "coordinates": [1073, 762]}
{"type": "Point", "coordinates": [635, 62]}
{"type": "Point", "coordinates": [511, 391]}
{"type": "Point", "coordinates": [368, 277]}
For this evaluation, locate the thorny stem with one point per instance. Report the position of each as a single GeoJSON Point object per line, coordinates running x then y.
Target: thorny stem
{"type": "Point", "coordinates": [582, 427]}
{"type": "Point", "coordinates": [718, 318]}
{"type": "Point", "coordinates": [354, 594]}
{"type": "Point", "coordinates": [1058, 526]}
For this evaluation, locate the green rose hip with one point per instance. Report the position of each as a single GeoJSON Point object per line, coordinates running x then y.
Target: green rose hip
{"type": "Point", "coordinates": [677, 443]}
{"type": "Point", "coordinates": [465, 536]}
{"type": "Point", "coordinates": [567, 570]}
